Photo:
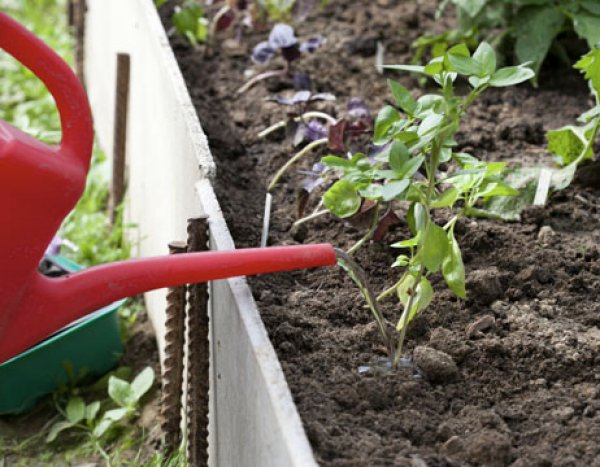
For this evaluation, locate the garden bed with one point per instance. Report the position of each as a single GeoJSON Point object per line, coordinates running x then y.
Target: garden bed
{"type": "Point", "coordinates": [527, 391]}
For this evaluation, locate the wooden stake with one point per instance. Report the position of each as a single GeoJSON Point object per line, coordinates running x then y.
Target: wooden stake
{"type": "Point", "coordinates": [117, 191]}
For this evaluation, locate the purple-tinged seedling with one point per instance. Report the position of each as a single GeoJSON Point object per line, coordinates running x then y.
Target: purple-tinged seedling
{"type": "Point", "coordinates": [283, 41]}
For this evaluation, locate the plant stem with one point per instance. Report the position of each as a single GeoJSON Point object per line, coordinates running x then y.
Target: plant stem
{"type": "Point", "coordinates": [260, 77]}
{"type": "Point", "coordinates": [282, 123]}
{"type": "Point", "coordinates": [387, 292]}
{"type": "Point", "coordinates": [310, 217]}
{"type": "Point", "coordinates": [405, 317]}
{"type": "Point", "coordinates": [357, 274]}
{"type": "Point", "coordinates": [366, 237]}
{"type": "Point", "coordinates": [435, 158]}
{"type": "Point", "coordinates": [306, 149]}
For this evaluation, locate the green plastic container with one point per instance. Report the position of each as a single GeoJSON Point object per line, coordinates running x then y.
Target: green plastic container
{"type": "Point", "coordinates": [90, 346]}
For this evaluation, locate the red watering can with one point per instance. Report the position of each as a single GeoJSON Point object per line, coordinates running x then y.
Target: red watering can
{"type": "Point", "coordinates": [40, 184]}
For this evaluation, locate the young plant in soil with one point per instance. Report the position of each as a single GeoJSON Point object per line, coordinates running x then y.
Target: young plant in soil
{"type": "Point", "coordinates": [573, 144]}
{"type": "Point", "coordinates": [189, 22]}
{"type": "Point", "coordinates": [530, 27]}
{"type": "Point", "coordinates": [282, 41]}
{"type": "Point", "coordinates": [418, 166]}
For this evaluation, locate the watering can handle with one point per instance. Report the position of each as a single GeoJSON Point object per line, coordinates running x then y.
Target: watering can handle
{"type": "Point", "coordinates": [75, 115]}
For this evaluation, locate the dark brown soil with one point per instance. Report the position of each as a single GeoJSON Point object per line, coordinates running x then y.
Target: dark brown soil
{"type": "Point", "coordinates": [527, 342]}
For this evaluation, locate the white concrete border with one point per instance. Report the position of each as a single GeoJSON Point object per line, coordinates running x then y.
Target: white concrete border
{"type": "Point", "coordinates": [254, 421]}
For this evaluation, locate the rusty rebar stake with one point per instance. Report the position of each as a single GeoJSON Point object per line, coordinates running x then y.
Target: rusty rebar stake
{"type": "Point", "coordinates": [172, 388]}
{"type": "Point", "coordinates": [198, 353]}
{"type": "Point", "coordinates": [117, 189]}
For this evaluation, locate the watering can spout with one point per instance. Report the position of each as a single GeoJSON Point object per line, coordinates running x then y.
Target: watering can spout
{"type": "Point", "coordinates": [52, 303]}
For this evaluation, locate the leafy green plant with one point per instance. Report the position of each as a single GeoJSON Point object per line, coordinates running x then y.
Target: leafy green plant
{"type": "Point", "coordinates": [417, 164]}
{"type": "Point", "coordinates": [530, 26]}
{"type": "Point", "coordinates": [87, 417]}
{"type": "Point", "coordinates": [189, 21]}
{"type": "Point", "coordinates": [572, 144]}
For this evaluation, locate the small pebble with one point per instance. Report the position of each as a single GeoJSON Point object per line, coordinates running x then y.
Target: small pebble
{"type": "Point", "coordinates": [546, 235]}
{"type": "Point", "coordinates": [436, 366]}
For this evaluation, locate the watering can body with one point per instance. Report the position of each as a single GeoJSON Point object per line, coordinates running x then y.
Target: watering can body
{"type": "Point", "coordinates": [40, 184]}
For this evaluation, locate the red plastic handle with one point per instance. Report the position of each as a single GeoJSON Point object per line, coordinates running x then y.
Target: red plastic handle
{"type": "Point", "coordinates": [73, 107]}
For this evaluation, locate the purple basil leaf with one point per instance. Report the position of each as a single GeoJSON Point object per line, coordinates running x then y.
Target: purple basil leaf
{"type": "Point", "coordinates": [302, 81]}
{"type": "Point", "coordinates": [300, 134]}
{"type": "Point", "coordinates": [357, 109]}
{"type": "Point", "coordinates": [336, 136]}
{"type": "Point", "coordinates": [312, 44]}
{"type": "Point", "coordinates": [315, 130]}
{"type": "Point", "coordinates": [322, 96]}
{"type": "Point", "coordinates": [388, 220]}
{"type": "Point", "coordinates": [282, 36]}
{"type": "Point", "coordinates": [309, 184]}
{"type": "Point", "coordinates": [290, 53]}
{"type": "Point", "coordinates": [262, 53]}
{"type": "Point", "coordinates": [225, 20]}
{"type": "Point", "coordinates": [298, 98]}
{"type": "Point", "coordinates": [301, 97]}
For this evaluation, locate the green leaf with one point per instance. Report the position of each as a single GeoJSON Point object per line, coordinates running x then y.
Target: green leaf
{"type": "Point", "coordinates": [403, 97]}
{"type": "Point", "coordinates": [535, 30]}
{"type": "Point", "coordinates": [56, 429]}
{"type": "Point", "coordinates": [409, 168]}
{"type": "Point", "coordinates": [342, 199]}
{"type": "Point", "coordinates": [401, 261]}
{"type": "Point", "coordinates": [590, 65]}
{"type": "Point", "coordinates": [120, 391]}
{"type": "Point", "coordinates": [336, 162]}
{"type": "Point", "coordinates": [416, 217]}
{"type": "Point", "coordinates": [410, 68]}
{"type": "Point", "coordinates": [465, 65]}
{"type": "Point", "coordinates": [395, 188]}
{"type": "Point", "coordinates": [385, 124]}
{"type": "Point", "coordinates": [568, 143]}
{"type": "Point", "coordinates": [562, 178]}
{"type": "Point", "coordinates": [91, 410]}
{"type": "Point", "coordinates": [430, 123]}
{"type": "Point", "coordinates": [407, 137]}
{"type": "Point", "coordinates": [591, 5]}
{"type": "Point", "coordinates": [433, 249]}
{"type": "Point", "coordinates": [142, 383]}
{"type": "Point", "coordinates": [372, 191]}
{"type": "Point", "coordinates": [497, 189]}
{"type": "Point", "coordinates": [470, 7]}
{"type": "Point", "coordinates": [75, 410]}
{"type": "Point", "coordinates": [510, 76]}
{"type": "Point", "coordinates": [435, 66]}
{"type": "Point", "coordinates": [486, 57]}
{"type": "Point", "coordinates": [410, 243]}
{"type": "Point", "coordinates": [460, 49]}
{"type": "Point", "coordinates": [587, 26]}
{"type": "Point", "coordinates": [446, 199]}
{"type": "Point", "coordinates": [453, 268]}
{"type": "Point", "coordinates": [108, 420]}
{"type": "Point", "coordinates": [398, 155]}
{"type": "Point", "coordinates": [423, 296]}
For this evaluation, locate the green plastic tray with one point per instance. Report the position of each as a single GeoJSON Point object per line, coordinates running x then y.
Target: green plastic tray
{"type": "Point", "coordinates": [90, 346]}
